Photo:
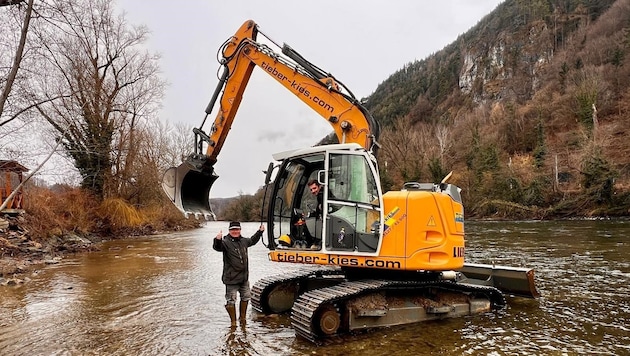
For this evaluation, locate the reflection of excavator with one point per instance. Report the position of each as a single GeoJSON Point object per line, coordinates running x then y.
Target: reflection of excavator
{"type": "Point", "coordinates": [384, 259]}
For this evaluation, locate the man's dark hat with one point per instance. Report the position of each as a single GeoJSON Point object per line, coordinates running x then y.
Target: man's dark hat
{"type": "Point", "coordinates": [235, 225]}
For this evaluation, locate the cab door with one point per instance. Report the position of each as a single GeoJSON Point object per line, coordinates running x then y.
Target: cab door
{"type": "Point", "coordinates": [351, 219]}
{"type": "Point", "coordinates": [352, 202]}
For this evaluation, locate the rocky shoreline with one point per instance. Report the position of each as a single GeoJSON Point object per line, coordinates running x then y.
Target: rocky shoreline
{"type": "Point", "coordinates": [20, 254]}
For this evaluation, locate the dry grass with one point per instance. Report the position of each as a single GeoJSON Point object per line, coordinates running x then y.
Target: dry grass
{"type": "Point", "coordinates": [120, 214]}
{"type": "Point", "coordinates": [53, 213]}
{"type": "Point", "coordinates": [73, 210]}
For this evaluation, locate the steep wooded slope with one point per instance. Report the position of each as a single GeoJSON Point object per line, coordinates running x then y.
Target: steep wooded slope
{"type": "Point", "coordinates": [530, 107]}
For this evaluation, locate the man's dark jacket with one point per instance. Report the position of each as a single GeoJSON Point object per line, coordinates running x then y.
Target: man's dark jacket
{"type": "Point", "coordinates": [235, 259]}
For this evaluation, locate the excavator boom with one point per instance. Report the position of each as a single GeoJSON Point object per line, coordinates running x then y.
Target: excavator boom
{"type": "Point", "coordinates": [188, 186]}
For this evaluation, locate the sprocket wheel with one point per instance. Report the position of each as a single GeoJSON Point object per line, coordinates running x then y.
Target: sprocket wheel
{"type": "Point", "coordinates": [329, 320]}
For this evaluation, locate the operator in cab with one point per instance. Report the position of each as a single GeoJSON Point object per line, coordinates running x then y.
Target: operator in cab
{"type": "Point", "coordinates": [316, 190]}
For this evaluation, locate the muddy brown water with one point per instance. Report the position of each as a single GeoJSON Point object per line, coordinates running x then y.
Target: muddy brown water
{"type": "Point", "coordinates": [162, 295]}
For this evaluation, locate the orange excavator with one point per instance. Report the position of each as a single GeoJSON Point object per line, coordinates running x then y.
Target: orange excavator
{"type": "Point", "coordinates": [371, 259]}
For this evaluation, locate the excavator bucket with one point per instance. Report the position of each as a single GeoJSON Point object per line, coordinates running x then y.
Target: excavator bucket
{"type": "Point", "coordinates": [189, 189]}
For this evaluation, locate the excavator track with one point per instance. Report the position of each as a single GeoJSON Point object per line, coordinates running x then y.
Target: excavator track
{"type": "Point", "coordinates": [316, 313]}
{"type": "Point", "coordinates": [291, 281]}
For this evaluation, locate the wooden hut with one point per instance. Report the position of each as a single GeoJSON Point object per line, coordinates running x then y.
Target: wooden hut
{"type": "Point", "coordinates": [11, 175]}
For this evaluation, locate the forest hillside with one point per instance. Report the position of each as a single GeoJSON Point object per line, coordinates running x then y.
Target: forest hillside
{"type": "Point", "coordinates": [530, 109]}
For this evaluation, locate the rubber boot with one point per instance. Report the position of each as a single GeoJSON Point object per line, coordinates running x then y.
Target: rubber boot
{"type": "Point", "coordinates": [231, 309]}
{"type": "Point", "coordinates": [243, 311]}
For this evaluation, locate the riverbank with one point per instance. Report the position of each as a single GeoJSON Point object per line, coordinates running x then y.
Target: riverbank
{"type": "Point", "coordinates": [66, 220]}
{"type": "Point", "coordinates": [21, 254]}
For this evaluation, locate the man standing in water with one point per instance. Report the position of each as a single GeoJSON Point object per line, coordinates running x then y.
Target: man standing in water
{"type": "Point", "coordinates": [236, 267]}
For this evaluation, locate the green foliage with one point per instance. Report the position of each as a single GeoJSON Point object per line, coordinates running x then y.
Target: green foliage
{"type": "Point", "coordinates": [430, 81]}
{"type": "Point", "coordinates": [437, 170]}
{"type": "Point", "coordinates": [585, 98]}
{"type": "Point", "coordinates": [244, 207]}
{"type": "Point", "coordinates": [579, 63]}
{"type": "Point", "coordinates": [541, 150]}
{"type": "Point", "coordinates": [536, 192]}
{"type": "Point", "coordinates": [329, 139]}
{"type": "Point", "coordinates": [510, 188]}
{"type": "Point", "coordinates": [575, 140]}
{"type": "Point", "coordinates": [411, 173]}
{"type": "Point", "coordinates": [94, 162]}
{"type": "Point", "coordinates": [437, 77]}
{"type": "Point", "coordinates": [539, 156]}
{"type": "Point", "coordinates": [487, 160]}
{"type": "Point", "coordinates": [471, 155]}
{"type": "Point", "coordinates": [598, 177]}
{"type": "Point", "coordinates": [617, 57]}
{"type": "Point", "coordinates": [387, 182]}
{"type": "Point", "coordinates": [507, 188]}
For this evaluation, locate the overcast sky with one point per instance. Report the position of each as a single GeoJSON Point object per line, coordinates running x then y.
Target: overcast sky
{"type": "Point", "coordinates": [361, 43]}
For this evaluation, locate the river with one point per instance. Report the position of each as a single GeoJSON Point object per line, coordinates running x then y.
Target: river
{"type": "Point", "coordinates": [162, 295]}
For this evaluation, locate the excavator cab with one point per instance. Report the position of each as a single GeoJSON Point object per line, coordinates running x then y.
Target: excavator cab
{"type": "Point", "coordinates": [351, 206]}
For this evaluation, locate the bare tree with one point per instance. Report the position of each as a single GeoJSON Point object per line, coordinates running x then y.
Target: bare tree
{"type": "Point", "coordinates": [442, 134]}
{"type": "Point", "coordinates": [16, 56]}
{"type": "Point", "coordinates": [159, 146]}
{"type": "Point", "coordinates": [17, 59]}
{"type": "Point", "coordinates": [180, 142]}
{"type": "Point", "coordinates": [108, 85]}
{"type": "Point", "coordinates": [14, 25]}
{"type": "Point", "coordinates": [404, 149]}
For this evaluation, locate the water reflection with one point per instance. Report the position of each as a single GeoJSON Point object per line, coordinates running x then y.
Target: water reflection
{"type": "Point", "coordinates": [163, 295]}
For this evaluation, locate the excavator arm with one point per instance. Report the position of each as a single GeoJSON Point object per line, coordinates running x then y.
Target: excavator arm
{"type": "Point", "coordinates": [189, 185]}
